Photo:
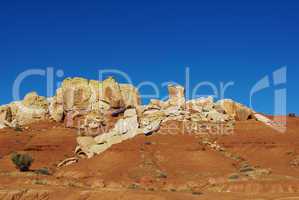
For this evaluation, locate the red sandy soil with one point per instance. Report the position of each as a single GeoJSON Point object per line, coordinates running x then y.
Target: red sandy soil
{"type": "Point", "coordinates": [166, 165]}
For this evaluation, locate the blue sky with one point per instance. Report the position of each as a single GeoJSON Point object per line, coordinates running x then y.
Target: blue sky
{"type": "Point", "coordinates": [220, 41]}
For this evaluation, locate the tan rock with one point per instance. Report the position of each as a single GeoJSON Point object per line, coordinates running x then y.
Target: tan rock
{"type": "Point", "coordinates": [56, 109]}
{"type": "Point", "coordinates": [215, 116]}
{"type": "Point", "coordinates": [5, 116]}
{"type": "Point", "coordinates": [124, 129]}
{"type": "Point", "coordinates": [236, 110]}
{"type": "Point", "coordinates": [151, 120]}
{"type": "Point", "coordinates": [32, 100]}
{"type": "Point", "coordinates": [96, 88]}
{"type": "Point", "coordinates": [94, 120]}
{"type": "Point", "coordinates": [56, 106]}
{"type": "Point", "coordinates": [156, 102]}
{"type": "Point", "coordinates": [130, 95]}
{"type": "Point", "coordinates": [23, 115]}
{"type": "Point", "coordinates": [176, 95]}
{"type": "Point", "coordinates": [201, 104]}
{"type": "Point", "coordinates": [85, 141]}
{"type": "Point", "coordinates": [67, 162]}
{"type": "Point", "coordinates": [112, 93]}
{"type": "Point", "coordinates": [76, 94]}
{"type": "Point", "coordinates": [33, 108]}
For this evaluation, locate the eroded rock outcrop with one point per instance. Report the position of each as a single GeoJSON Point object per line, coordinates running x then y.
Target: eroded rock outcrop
{"type": "Point", "coordinates": [125, 128]}
{"type": "Point", "coordinates": [76, 98]}
{"type": "Point", "coordinates": [31, 109]}
{"type": "Point", "coordinates": [237, 110]}
{"type": "Point", "coordinates": [5, 116]}
{"type": "Point", "coordinates": [90, 105]}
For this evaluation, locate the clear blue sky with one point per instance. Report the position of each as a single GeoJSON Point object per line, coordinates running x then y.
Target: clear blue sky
{"type": "Point", "coordinates": [239, 41]}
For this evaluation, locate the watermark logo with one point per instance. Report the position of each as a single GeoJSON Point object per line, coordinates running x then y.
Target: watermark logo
{"type": "Point", "coordinates": [279, 82]}
{"type": "Point", "coordinates": [48, 73]}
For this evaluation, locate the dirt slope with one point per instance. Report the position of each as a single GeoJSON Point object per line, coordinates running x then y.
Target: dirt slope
{"type": "Point", "coordinates": [255, 162]}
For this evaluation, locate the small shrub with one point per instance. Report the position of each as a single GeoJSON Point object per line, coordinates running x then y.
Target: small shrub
{"type": "Point", "coordinates": [162, 175]}
{"type": "Point", "coordinates": [134, 186]}
{"type": "Point", "coordinates": [43, 171]}
{"type": "Point", "coordinates": [18, 128]}
{"type": "Point", "coordinates": [22, 161]}
{"type": "Point", "coordinates": [234, 176]}
{"type": "Point", "coordinates": [196, 193]}
{"type": "Point", "coordinates": [292, 115]}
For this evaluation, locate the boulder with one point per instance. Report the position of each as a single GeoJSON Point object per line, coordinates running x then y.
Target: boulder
{"type": "Point", "coordinates": [153, 112]}
{"type": "Point", "coordinates": [94, 120]}
{"type": "Point", "coordinates": [56, 106]}
{"type": "Point", "coordinates": [67, 162]}
{"type": "Point", "coordinates": [236, 110]}
{"type": "Point", "coordinates": [130, 113]}
{"type": "Point", "coordinates": [151, 126]}
{"type": "Point", "coordinates": [33, 100]}
{"type": "Point", "coordinates": [156, 103]}
{"type": "Point", "coordinates": [173, 111]}
{"type": "Point", "coordinates": [176, 95]}
{"type": "Point", "coordinates": [23, 115]}
{"type": "Point", "coordinates": [124, 128]}
{"type": "Point", "coordinates": [201, 104]}
{"type": "Point", "coordinates": [33, 108]}
{"type": "Point", "coordinates": [5, 116]}
{"type": "Point", "coordinates": [112, 93]}
{"type": "Point", "coordinates": [83, 148]}
{"type": "Point", "coordinates": [85, 141]}
{"type": "Point", "coordinates": [150, 121]}
{"type": "Point", "coordinates": [76, 94]}
{"type": "Point", "coordinates": [130, 95]}
{"type": "Point", "coordinates": [214, 116]}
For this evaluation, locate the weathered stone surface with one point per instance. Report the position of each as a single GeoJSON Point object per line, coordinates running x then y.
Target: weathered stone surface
{"type": "Point", "coordinates": [236, 110]}
{"type": "Point", "coordinates": [68, 161]}
{"type": "Point", "coordinates": [125, 128]}
{"type": "Point", "coordinates": [151, 120]}
{"type": "Point", "coordinates": [156, 103]}
{"type": "Point", "coordinates": [76, 94]}
{"type": "Point", "coordinates": [151, 126]}
{"type": "Point", "coordinates": [176, 95]}
{"type": "Point", "coordinates": [56, 110]}
{"type": "Point", "coordinates": [31, 109]}
{"type": "Point", "coordinates": [5, 114]}
{"type": "Point", "coordinates": [96, 103]}
{"type": "Point", "coordinates": [173, 111]}
{"type": "Point", "coordinates": [201, 104]}
{"type": "Point", "coordinates": [94, 120]}
{"type": "Point", "coordinates": [32, 100]}
{"type": "Point", "coordinates": [23, 115]}
{"type": "Point", "coordinates": [112, 93]}
{"type": "Point", "coordinates": [130, 113]}
{"type": "Point", "coordinates": [82, 95]}
{"type": "Point", "coordinates": [130, 95]}
{"type": "Point", "coordinates": [218, 117]}
{"type": "Point", "coordinates": [243, 114]}
{"type": "Point", "coordinates": [85, 141]}
{"type": "Point", "coordinates": [84, 145]}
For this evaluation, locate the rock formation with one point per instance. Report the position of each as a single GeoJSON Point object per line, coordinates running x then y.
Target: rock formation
{"type": "Point", "coordinates": [90, 105]}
